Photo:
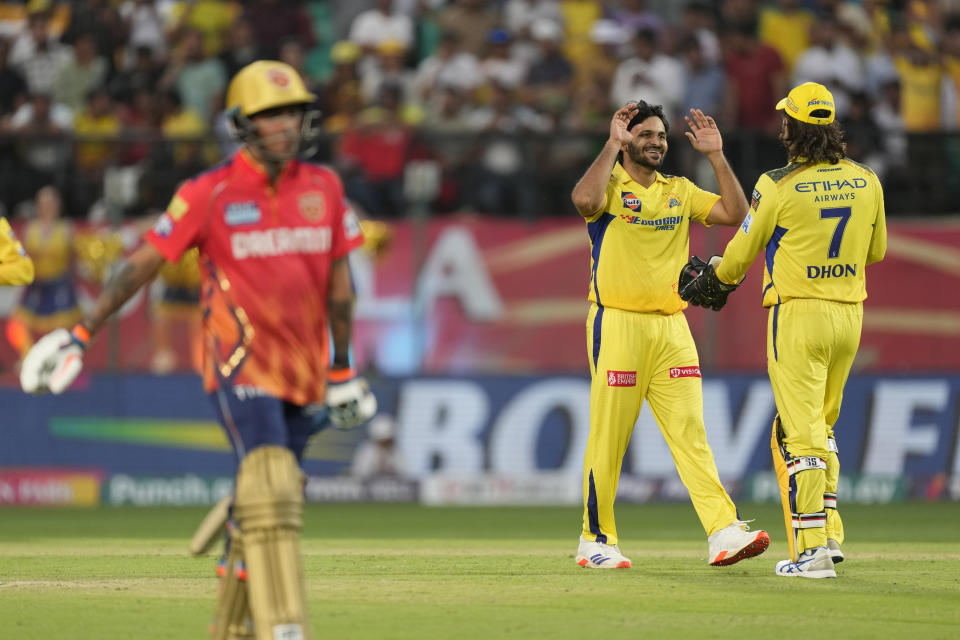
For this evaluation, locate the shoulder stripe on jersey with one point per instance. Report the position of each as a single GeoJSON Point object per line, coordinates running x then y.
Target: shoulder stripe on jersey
{"type": "Point", "coordinates": [779, 174]}
{"type": "Point", "coordinates": [772, 246]}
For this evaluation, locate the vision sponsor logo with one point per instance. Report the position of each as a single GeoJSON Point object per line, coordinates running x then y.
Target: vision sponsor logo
{"type": "Point", "coordinates": [667, 223]}
{"type": "Point", "coordinates": [621, 378]}
{"type": "Point", "coordinates": [755, 200]}
{"type": "Point", "coordinates": [819, 186]}
{"type": "Point", "coordinates": [238, 213]}
{"type": "Point", "coordinates": [631, 201]}
{"type": "Point", "coordinates": [831, 271]}
{"type": "Point", "coordinates": [280, 242]}
{"type": "Point", "coordinates": [685, 372]}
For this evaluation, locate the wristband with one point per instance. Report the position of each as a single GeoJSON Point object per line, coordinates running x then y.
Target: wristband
{"type": "Point", "coordinates": [341, 375]}
{"type": "Point", "coordinates": [80, 335]}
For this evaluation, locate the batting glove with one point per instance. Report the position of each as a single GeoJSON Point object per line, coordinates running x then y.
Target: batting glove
{"type": "Point", "coordinates": [350, 402]}
{"type": "Point", "coordinates": [55, 361]}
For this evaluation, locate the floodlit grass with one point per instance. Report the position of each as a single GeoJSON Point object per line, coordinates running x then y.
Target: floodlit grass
{"type": "Point", "coordinates": [406, 571]}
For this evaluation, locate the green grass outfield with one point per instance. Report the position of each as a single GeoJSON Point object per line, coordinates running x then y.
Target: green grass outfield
{"type": "Point", "coordinates": [406, 571]}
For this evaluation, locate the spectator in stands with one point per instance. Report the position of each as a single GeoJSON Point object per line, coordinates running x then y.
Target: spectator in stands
{"type": "Point", "coordinates": [830, 62]}
{"type": "Point", "coordinates": [500, 180]}
{"type": "Point", "coordinates": [139, 116]}
{"type": "Point", "coordinates": [498, 65]}
{"type": "Point", "coordinates": [920, 76]}
{"type": "Point", "coordinates": [199, 80]}
{"type": "Point", "coordinates": [550, 78]}
{"type": "Point", "coordinates": [756, 76]}
{"type": "Point", "coordinates": [705, 82]}
{"type": "Point", "coordinates": [608, 40]}
{"type": "Point", "coordinates": [950, 119]}
{"type": "Point", "coordinates": [143, 22]}
{"type": "Point", "coordinates": [13, 88]}
{"type": "Point", "coordinates": [786, 26]}
{"type": "Point", "coordinates": [342, 86]}
{"type": "Point", "coordinates": [372, 156]}
{"type": "Point", "coordinates": [211, 19]}
{"type": "Point", "coordinates": [634, 16]}
{"type": "Point", "coordinates": [471, 21]}
{"type": "Point", "coordinates": [519, 15]}
{"type": "Point", "coordinates": [143, 73]}
{"type": "Point", "coordinates": [449, 65]}
{"type": "Point", "coordinates": [38, 54]}
{"type": "Point", "coordinates": [380, 24]}
{"type": "Point", "coordinates": [699, 21]}
{"type": "Point", "coordinates": [100, 122]}
{"type": "Point", "coordinates": [80, 72]}
{"type": "Point", "coordinates": [863, 137]}
{"type": "Point", "coordinates": [274, 20]}
{"type": "Point", "coordinates": [241, 48]}
{"type": "Point", "coordinates": [649, 74]}
{"type": "Point", "coordinates": [291, 52]}
{"type": "Point", "coordinates": [387, 67]}
{"type": "Point", "coordinates": [43, 150]}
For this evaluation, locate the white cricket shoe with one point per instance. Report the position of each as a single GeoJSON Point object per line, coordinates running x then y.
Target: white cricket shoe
{"type": "Point", "coordinates": [601, 556]}
{"type": "Point", "coordinates": [735, 543]}
{"type": "Point", "coordinates": [812, 563]}
{"type": "Point", "coordinates": [835, 553]}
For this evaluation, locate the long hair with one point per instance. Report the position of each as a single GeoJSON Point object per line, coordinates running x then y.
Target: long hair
{"type": "Point", "coordinates": [814, 143]}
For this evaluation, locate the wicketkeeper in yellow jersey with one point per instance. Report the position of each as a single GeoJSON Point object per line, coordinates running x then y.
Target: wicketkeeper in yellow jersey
{"type": "Point", "coordinates": [15, 266]}
{"type": "Point", "coordinates": [820, 222]}
{"type": "Point", "coordinates": [638, 341]}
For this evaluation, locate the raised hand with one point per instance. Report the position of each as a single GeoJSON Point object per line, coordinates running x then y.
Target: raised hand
{"type": "Point", "coordinates": [704, 134]}
{"type": "Point", "coordinates": [618, 124]}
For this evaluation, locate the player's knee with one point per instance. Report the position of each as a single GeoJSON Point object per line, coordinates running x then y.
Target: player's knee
{"type": "Point", "coordinates": [269, 490]}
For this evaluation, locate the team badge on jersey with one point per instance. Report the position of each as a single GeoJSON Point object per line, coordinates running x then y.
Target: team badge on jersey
{"type": "Point", "coordinates": [630, 201]}
{"type": "Point", "coordinates": [621, 378]}
{"type": "Point", "coordinates": [312, 206]}
{"type": "Point", "coordinates": [238, 213]}
{"type": "Point", "coordinates": [755, 200]}
{"type": "Point", "coordinates": [673, 200]}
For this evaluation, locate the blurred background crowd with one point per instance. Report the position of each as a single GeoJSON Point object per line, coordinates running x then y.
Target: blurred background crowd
{"type": "Point", "coordinates": [485, 106]}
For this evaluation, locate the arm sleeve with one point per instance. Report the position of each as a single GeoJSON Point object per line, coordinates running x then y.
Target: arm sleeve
{"type": "Point", "coordinates": [347, 234]}
{"type": "Point", "coordinates": [700, 204]}
{"type": "Point", "coordinates": [183, 224]}
{"type": "Point", "coordinates": [15, 267]}
{"type": "Point", "coordinates": [878, 241]}
{"type": "Point", "coordinates": [752, 235]}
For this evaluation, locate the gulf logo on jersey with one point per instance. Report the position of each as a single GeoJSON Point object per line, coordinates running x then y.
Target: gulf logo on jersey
{"type": "Point", "coordinates": [630, 201]}
{"type": "Point", "coordinates": [621, 378]}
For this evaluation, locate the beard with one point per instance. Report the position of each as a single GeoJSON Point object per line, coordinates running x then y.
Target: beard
{"type": "Point", "coordinates": [639, 156]}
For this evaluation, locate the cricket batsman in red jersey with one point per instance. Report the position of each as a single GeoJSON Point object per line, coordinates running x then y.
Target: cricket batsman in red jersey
{"type": "Point", "coordinates": [273, 234]}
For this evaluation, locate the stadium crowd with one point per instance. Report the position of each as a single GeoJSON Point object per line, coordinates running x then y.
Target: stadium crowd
{"type": "Point", "coordinates": [500, 104]}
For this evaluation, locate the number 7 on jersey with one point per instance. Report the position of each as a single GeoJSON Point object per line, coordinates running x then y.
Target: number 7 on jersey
{"type": "Point", "coordinates": [842, 214]}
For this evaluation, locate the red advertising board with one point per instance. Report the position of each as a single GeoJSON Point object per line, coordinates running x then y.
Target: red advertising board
{"type": "Point", "coordinates": [490, 295]}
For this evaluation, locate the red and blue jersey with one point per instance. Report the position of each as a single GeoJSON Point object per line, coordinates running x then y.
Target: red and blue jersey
{"type": "Point", "coordinates": [266, 250]}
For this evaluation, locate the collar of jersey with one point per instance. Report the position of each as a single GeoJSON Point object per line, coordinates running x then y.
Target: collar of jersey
{"type": "Point", "coordinates": [252, 166]}
{"type": "Point", "coordinates": [622, 176]}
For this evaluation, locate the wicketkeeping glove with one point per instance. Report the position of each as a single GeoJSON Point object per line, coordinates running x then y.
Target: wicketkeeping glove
{"type": "Point", "coordinates": [55, 361]}
{"type": "Point", "coordinates": [350, 402]}
{"type": "Point", "coordinates": [705, 289]}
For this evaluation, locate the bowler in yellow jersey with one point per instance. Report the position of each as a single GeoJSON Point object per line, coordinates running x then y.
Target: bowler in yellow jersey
{"type": "Point", "coordinates": [820, 222]}
{"type": "Point", "coordinates": [638, 342]}
{"type": "Point", "coordinates": [16, 267]}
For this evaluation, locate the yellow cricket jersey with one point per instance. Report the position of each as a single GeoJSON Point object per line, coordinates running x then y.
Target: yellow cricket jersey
{"type": "Point", "coordinates": [15, 267]}
{"type": "Point", "coordinates": [640, 239]}
{"type": "Point", "coordinates": [820, 225]}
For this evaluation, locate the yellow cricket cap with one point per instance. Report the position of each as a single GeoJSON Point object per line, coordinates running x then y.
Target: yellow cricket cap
{"type": "Point", "coordinates": [809, 102]}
